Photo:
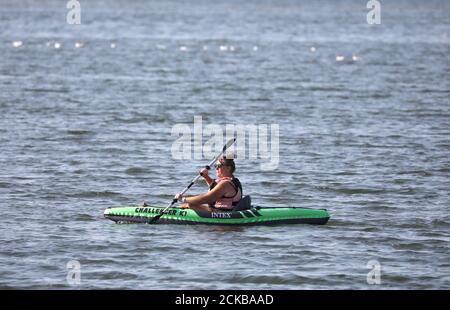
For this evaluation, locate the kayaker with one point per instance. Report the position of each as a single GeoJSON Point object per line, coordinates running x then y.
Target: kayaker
{"type": "Point", "coordinates": [224, 192]}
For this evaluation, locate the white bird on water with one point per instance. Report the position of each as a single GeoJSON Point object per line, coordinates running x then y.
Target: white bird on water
{"type": "Point", "coordinates": [17, 43]}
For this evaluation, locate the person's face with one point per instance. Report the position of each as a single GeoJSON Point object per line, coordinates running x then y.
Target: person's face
{"type": "Point", "coordinates": [221, 170]}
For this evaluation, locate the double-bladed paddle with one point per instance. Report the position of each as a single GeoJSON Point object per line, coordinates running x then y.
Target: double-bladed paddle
{"type": "Point", "coordinates": [225, 147]}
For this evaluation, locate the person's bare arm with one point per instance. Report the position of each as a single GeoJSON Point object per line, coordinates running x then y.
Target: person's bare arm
{"type": "Point", "coordinates": [212, 196]}
{"type": "Point", "coordinates": [204, 173]}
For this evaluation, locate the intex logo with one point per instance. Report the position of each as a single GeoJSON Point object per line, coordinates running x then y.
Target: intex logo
{"type": "Point", "coordinates": [221, 215]}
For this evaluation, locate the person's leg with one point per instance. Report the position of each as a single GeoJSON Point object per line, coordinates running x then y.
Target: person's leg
{"type": "Point", "coordinates": [201, 208]}
{"type": "Point", "coordinates": [196, 207]}
{"type": "Point", "coordinates": [184, 206]}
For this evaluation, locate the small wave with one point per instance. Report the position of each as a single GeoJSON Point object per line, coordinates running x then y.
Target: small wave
{"type": "Point", "coordinates": [401, 181]}
{"type": "Point", "coordinates": [282, 88]}
{"type": "Point", "coordinates": [444, 169]}
{"type": "Point", "coordinates": [114, 150]}
{"type": "Point", "coordinates": [415, 246]}
{"type": "Point", "coordinates": [46, 90]}
{"type": "Point", "coordinates": [99, 261]}
{"type": "Point", "coordinates": [265, 279]}
{"type": "Point", "coordinates": [111, 275]}
{"type": "Point", "coordinates": [369, 229]}
{"type": "Point", "coordinates": [189, 250]}
{"type": "Point", "coordinates": [412, 224]}
{"type": "Point", "coordinates": [345, 173]}
{"type": "Point", "coordinates": [378, 96]}
{"type": "Point", "coordinates": [163, 248]}
{"type": "Point", "coordinates": [439, 223]}
{"type": "Point", "coordinates": [94, 194]}
{"type": "Point", "coordinates": [200, 89]}
{"type": "Point", "coordinates": [421, 173]}
{"type": "Point", "coordinates": [427, 91]}
{"type": "Point", "coordinates": [353, 191]}
{"type": "Point", "coordinates": [84, 217]}
{"type": "Point", "coordinates": [153, 119]}
{"type": "Point", "coordinates": [375, 207]}
{"type": "Point", "coordinates": [5, 185]}
{"type": "Point", "coordinates": [324, 88]}
{"type": "Point", "coordinates": [395, 278]}
{"type": "Point", "coordinates": [75, 162]}
{"type": "Point", "coordinates": [79, 132]}
{"type": "Point", "coordinates": [257, 239]}
{"type": "Point", "coordinates": [345, 223]}
{"type": "Point", "coordinates": [135, 171]}
{"type": "Point", "coordinates": [260, 99]}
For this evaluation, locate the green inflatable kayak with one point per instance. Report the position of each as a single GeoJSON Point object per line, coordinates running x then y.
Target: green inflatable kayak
{"type": "Point", "coordinates": [252, 216]}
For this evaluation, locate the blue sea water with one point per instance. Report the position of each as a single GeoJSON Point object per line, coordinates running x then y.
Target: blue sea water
{"type": "Point", "coordinates": [363, 112]}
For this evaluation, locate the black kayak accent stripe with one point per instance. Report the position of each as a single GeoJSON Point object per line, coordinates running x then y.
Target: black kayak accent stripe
{"type": "Point", "coordinates": [255, 212]}
{"type": "Point", "coordinates": [248, 214]}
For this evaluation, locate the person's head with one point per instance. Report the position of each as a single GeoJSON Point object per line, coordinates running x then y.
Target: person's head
{"type": "Point", "coordinates": [225, 167]}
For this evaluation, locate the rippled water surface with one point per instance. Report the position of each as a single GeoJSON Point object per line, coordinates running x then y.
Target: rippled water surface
{"type": "Point", "coordinates": [89, 127]}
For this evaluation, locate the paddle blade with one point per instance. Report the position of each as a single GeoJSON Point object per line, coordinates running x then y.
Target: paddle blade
{"type": "Point", "coordinates": [154, 219]}
{"type": "Point", "coordinates": [229, 143]}
{"type": "Point", "coordinates": [157, 217]}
